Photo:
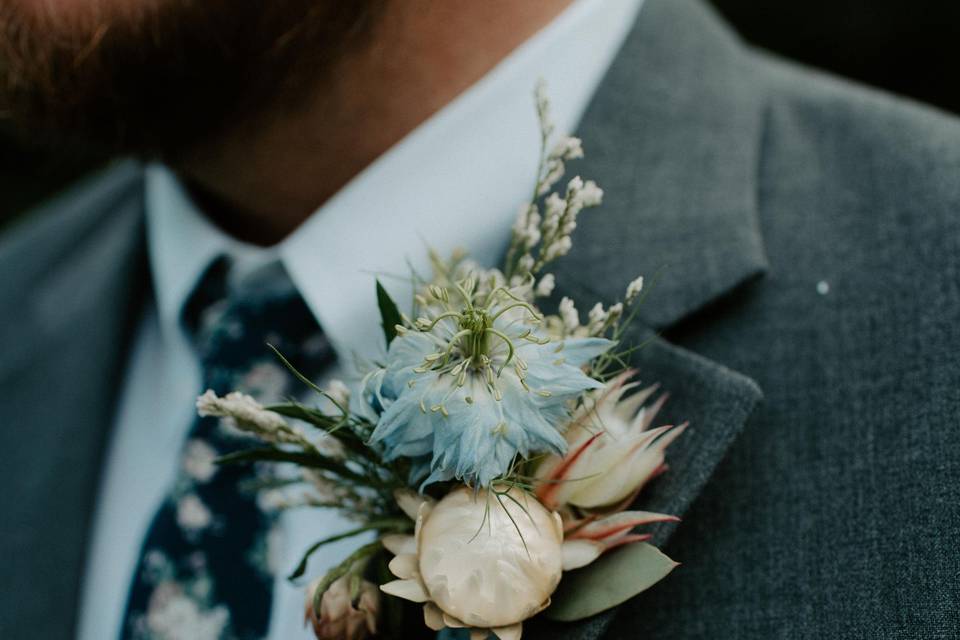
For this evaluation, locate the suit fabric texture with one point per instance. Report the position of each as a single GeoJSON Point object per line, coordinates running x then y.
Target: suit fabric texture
{"type": "Point", "coordinates": [805, 233]}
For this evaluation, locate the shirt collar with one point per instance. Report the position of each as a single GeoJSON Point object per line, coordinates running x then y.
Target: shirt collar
{"type": "Point", "coordinates": [454, 182]}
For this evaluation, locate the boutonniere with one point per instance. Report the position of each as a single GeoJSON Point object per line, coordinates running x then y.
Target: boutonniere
{"type": "Point", "coordinates": [492, 457]}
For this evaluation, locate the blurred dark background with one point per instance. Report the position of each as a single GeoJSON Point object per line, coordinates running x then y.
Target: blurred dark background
{"type": "Point", "coordinates": [910, 48]}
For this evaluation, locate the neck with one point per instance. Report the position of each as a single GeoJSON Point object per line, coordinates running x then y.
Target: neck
{"type": "Point", "coordinates": [265, 178]}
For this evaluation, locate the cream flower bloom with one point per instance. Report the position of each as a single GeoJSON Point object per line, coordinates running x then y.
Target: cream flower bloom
{"type": "Point", "coordinates": [612, 454]}
{"type": "Point", "coordinates": [478, 561]}
{"type": "Point", "coordinates": [612, 451]}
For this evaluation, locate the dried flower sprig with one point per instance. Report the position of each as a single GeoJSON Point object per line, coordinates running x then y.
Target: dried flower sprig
{"type": "Point", "coordinates": [539, 239]}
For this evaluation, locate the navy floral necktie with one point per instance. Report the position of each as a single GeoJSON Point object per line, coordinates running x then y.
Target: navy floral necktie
{"type": "Point", "coordinates": [203, 572]}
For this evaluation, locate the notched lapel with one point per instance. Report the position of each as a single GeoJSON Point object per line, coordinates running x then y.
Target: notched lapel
{"type": "Point", "coordinates": [714, 400]}
{"type": "Point", "coordinates": [674, 136]}
{"type": "Point", "coordinates": [717, 402]}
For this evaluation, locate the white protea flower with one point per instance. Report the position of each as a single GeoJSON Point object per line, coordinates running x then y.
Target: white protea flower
{"type": "Point", "coordinates": [612, 450]}
{"type": "Point", "coordinates": [344, 615]}
{"type": "Point", "coordinates": [479, 562]}
{"type": "Point", "coordinates": [613, 453]}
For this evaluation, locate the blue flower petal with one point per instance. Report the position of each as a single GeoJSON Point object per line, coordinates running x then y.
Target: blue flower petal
{"type": "Point", "coordinates": [468, 433]}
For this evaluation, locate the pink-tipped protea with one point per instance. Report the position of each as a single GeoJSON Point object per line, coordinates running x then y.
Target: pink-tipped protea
{"type": "Point", "coordinates": [612, 454]}
{"type": "Point", "coordinates": [346, 612]}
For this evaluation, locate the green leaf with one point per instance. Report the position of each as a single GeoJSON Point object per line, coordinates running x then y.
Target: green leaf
{"type": "Point", "coordinates": [270, 454]}
{"type": "Point", "coordinates": [389, 313]}
{"type": "Point", "coordinates": [394, 524]}
{"type": "Point", "coordinates": [611, 580]}
{"type": "Point", "coordinates": [313, 416]}
{"type": "Point", "coordinates": [299, 376]}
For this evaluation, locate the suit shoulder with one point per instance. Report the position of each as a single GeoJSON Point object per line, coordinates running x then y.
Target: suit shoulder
{"type": "Point", "coordinates": [61, 254]}
{"type": "Point", "coordinates": [902, 156]}
{"type": "Point", "coordinates": [55, 224]}
{"type": "Point", "coordinates": [50, 233]}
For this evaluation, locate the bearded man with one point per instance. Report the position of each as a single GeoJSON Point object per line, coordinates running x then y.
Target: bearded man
{"type": "Point", "coordinates": [807, 233]}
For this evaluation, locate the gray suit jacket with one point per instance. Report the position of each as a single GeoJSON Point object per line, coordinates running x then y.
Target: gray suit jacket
{"type": "Point", "coordinates": [807, 232]}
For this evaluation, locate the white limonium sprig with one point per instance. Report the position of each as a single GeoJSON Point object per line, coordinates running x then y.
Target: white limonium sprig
{"type": "Point", "coordinates": [545, 286]}
{"type": "Point", "coordinates": [246, 414]}
{"type": "Point", "coordinates": [634, 289]}
{"type": "Point", "coordinates": [540, 239]}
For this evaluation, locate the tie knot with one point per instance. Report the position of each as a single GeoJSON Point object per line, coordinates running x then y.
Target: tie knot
{"type": "Point", "coordinates": [234, 322]}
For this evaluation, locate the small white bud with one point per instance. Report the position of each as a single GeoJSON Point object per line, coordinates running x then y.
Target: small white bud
{"type": "Point", "coordinates": [591, 195]}
{"type": "Point", "coordinates": [569, 315]}
{"type": "Point", "coordinates": [634, 289]}
{"type": "Point", "coordinates": [525, 263]}
{"type": "Point", "coordinates": [545, 286]}
{"type": "Point", "coordinates": [597, 315]}
{"type": "Point", "coordinates": [554, 171]}
{"type": "Point", "coordinates": [568, 148]}
{"type": "Point", "coordinates": [560, 247]}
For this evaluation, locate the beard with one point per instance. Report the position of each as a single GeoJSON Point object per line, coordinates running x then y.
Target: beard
{"type": "Point", "coordinates": [162, 77]}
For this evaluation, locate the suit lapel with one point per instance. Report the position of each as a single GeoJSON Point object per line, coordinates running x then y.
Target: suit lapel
{"type": "Point", "coordinates": [673, 136]}
{"type": "Point", "coordinates": [80, 274]}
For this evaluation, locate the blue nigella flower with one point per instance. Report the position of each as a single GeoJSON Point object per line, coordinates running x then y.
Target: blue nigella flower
{"type": "Point", "coordinates": [476, 384]}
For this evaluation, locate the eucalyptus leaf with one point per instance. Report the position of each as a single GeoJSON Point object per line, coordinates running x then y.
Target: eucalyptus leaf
{"type": "Point", "coordinates": [389, 313]}
{"type": "Point", "coordinates": [611, 580]}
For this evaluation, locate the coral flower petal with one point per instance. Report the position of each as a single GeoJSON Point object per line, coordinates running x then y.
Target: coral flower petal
{"type": "Point", "coordinates": [619, 523]}
{"type": "Point", "coordinates": [547, 492]}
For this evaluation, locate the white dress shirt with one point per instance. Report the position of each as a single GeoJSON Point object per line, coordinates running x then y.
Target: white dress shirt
{"type": "Point", "coordinates": [454, 182]}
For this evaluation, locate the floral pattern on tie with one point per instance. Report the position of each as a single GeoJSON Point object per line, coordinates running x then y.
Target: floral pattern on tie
{"type": "Point", "coordinates": [178, 593]}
